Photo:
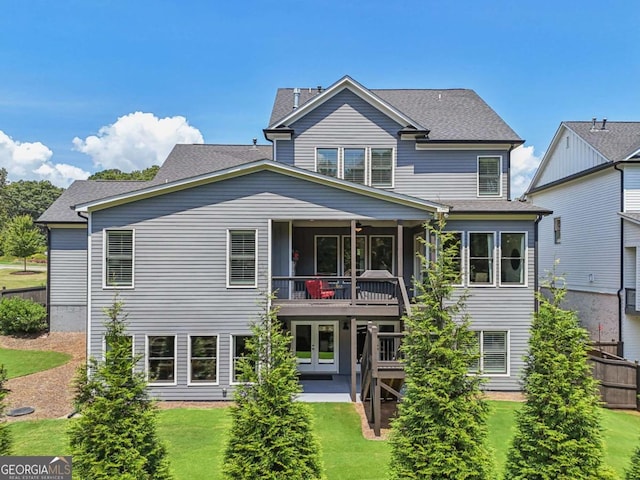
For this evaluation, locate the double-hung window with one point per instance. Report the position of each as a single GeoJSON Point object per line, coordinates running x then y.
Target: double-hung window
{"type": "Point", "coordinates": [489, 176]}
{"type": "Point", "coordinates": [481, 258]}
{"type": "Point", "coordinates": [513, 258]}
{"type": "Point", "coordinates": [242, 261]}
{"type": "Point", "coordinates": [203, 353]}
{"type": "Point", "coordinates": [118, 262]}
{"type": "Point", "coordinates": [365, 165]}
{"type": "Point", "coordinates": [493, 353]}
{"type": "Point", "coordinates": [161, 359]}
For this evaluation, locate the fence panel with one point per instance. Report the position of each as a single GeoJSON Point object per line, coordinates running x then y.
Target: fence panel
{"type": "Point", "coordinates": [37, 294]}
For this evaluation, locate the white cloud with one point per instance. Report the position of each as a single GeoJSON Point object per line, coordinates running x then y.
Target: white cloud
{"type": "Point", "coordinates": [524, 163]}
{"type": "Point", "coordinates": [137, 141]}
{"type": "Point", "coordinates": [32, 161]}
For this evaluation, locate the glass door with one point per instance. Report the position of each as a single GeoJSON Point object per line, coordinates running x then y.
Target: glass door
{"type": "Point", "coordinates": [315, 346]}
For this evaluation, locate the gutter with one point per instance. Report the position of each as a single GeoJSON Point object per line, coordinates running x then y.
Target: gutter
{"type": "Point", "coordinates": [620, 351]}
{"type": "Point", "coordinates": [49, 277]}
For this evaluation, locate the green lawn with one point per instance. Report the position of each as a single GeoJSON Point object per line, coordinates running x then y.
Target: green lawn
{"type": "Point", "coordinates": [8, 280]}
{"type": "Point", "coordinates": [196, 440]}
{"type": "Point", "coordinates": [25, 362]}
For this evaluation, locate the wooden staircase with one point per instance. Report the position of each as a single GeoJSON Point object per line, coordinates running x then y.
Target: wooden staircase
{"type": "Point", "coordinates": [382, 373]}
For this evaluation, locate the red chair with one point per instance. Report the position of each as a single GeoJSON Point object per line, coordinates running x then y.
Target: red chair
{"type": "Point", "coordinates": [319, 289]}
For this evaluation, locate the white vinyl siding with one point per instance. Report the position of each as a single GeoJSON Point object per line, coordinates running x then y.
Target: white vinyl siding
{"type": "Point", "coordinates": [161, 359]}
{"type": "Point", "coordinates": [489, 176]}
{"type": "Point", "coordinates": [203, 359]}
{"type": "Point", "coordinates": [118, 261]}
{"type": "Point", "coordinates": [242, 260]}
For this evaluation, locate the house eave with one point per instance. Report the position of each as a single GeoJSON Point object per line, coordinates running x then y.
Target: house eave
{"type": "Point", "coordinates": [272, 134]}
{"type": "Point", "coordinates": [427, 144]}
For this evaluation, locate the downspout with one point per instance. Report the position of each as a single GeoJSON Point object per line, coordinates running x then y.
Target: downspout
{"type": "Point", "coordinates": [49, 277]}
{"type": "Point", "coordinates": [536, 282]}
{"type": "Point", "coordinates": [509, 172]}
{"type": "Point", "coordinates": [620, 351]}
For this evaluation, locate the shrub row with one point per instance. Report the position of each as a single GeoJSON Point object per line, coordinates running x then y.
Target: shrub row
{"type": "Point", "coordinates": [21, 316]}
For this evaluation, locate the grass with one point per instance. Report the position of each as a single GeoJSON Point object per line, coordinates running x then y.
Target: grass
{"type": "Point", "coordinates": [9, 281]}
{"type": "Point", "coordinates": [196, 440]}
{"type": "Point", "coordinates": [25, 362]}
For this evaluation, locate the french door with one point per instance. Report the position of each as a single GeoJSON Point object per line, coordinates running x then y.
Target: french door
{"type": "Point", "coordinates": [315, 345]}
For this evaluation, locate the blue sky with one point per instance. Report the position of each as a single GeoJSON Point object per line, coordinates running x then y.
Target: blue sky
{"type": "Point", "coordinates": [208, 71]}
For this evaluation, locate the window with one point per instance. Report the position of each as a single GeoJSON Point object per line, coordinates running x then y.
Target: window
{"type": "Point", "coordinates": [203, 353]}
{"type": "Point", "coordinates": [327, 255]}
{"type": "Point", "coordinates": [481, 247]}
{"type": "Point", "coordinates": [239, 351]}
{"type": "Point", "coordinates": [161, 359]}
{"type": "Point", "coordinates": [454, 241]}
{"type": "Point", "coordinates": [364, 165]}
{"type": "Point", "coordinates": [118, 258]}
{"type": "Point", "coordinates": [419, 252]}
{"type": "Point", "coordinates": [494, 354]}
{"type": "Point", "coordinates": [382, 167]}
{"type": "Point", "coordinates": [242, 258]}
{"type": "Point", "coordinates": [354, 165]}
{"type": "Point", "coordinates": [327, 161]}
{"type": "Point", "coordinates": [361, 255]}
{"type": "Point", "coordinates": [512, 258]}
{"type": "Point", "coordinates": [489, 176]}
{"type": "Point", "coordinates": [381, 252]}
{"type": "Point", "coordinates": [556, 230]}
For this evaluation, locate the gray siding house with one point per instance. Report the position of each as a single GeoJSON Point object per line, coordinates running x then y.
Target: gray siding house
{"type": "Point", "coordinates": [328, 218]}
{"type": "Point", "coordinates": [590, 178]}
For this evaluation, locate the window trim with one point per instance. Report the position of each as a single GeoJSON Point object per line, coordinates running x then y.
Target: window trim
{"type": "Point", "coordinates": [468, 261]}
{"type": "Point", "coordinates": [175, 360]}
{"type": "Point", "coordinates": [525, 256]}
{"type": "Point", "coordinates": [393, 251]}
{"type": "Point", "coordinates": [228, 273]}
{"type": "Point", "coordinates": [367, 162]}
{"type": "Point", "coordinates": [192, 383]}
{"type": "Point", "coordinates": [507, 354]}
{"type": "Point", "coordinates": [232, 347]}
{"type": "Point", "coordinates": [557, 230]}
{"type": "Point", "coordinates": [462, 254]}
{"type": "Point", "coordinates": [500, 177]}
{"type": "Point", "coordinates": [105, 235]}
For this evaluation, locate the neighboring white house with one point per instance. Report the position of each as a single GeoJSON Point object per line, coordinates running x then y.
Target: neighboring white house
{"type": "Point", "coordinates": [590, 178]}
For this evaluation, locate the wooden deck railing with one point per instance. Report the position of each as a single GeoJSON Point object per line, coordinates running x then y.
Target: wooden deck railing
{"type": "Point", "coordinates": [381, 370]}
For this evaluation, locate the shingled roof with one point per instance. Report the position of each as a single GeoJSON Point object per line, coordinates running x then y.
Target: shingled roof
{"type": "Point", "coordinates": [184, 161]}
{"type": "Point", "coordinates": [616, 142]}
{"type": "Point", "coordinates": [449, 114]}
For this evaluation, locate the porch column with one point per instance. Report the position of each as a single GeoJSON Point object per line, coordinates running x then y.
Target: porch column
{"type": "Point", "coordinates": [354, 357]}
{"type": "Point", "coordinates": [354, 262]}
{"type": "Point", "coordinates": [400, 262]}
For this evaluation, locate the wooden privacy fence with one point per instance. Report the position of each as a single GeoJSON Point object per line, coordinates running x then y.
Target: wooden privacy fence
{"type": "Point", "coordinates": [618, 379]}
{"type": "Point", "coordinates": [37, 294]}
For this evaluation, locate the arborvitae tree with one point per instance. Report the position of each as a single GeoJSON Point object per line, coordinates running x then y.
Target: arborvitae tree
{"type": "Point", "coordinates": [633, 473]}
{"type": "Point", "coordinates": [271, 435]}
{"type": "Point", "coordinates": [440, 431]}
{"type": "Point", "coordinates": [558, 431]}
{"type": "Point", "coordinates": [22, 238]}
{"type": "Point", "coordinates": [115, 436]}
{"type": "Point", "coordinates": [5, 433]}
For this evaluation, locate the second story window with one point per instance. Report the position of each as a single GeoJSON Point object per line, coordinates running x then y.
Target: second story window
{"type": "Point", "coordinates": [367, 166]}
{"type": "Point", "coordinates": [489, 176]}
{"type": "Point", "coordinates": [242, 258]}
{"type": "Point", "coordinates": [118, 262]}
{"type": "Point", "coordinates": [481, 251]}
{"type": "Point", "coordinates": [556, 230]}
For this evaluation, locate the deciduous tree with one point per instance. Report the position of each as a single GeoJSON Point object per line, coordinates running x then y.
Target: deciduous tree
{"type": "Point", "coordinates": [22, 238]}
{"type": "Point", "coordinates": [440, 431]}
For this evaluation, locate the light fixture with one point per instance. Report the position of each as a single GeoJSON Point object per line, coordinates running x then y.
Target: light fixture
{"type": "Point", "coordinates": [358, 227]}
{"type": "Point", "coordinates": [345, 325]}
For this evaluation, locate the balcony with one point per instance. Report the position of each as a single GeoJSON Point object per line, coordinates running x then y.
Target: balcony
{"type": "Point", "coordinates": [630, 302]}
{"type": "Point", "coordinates": [373, 293]}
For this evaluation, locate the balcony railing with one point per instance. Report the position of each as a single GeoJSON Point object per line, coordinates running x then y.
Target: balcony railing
{"type": "Point", "coordinates": [313, 290]}
{"type": "Point", "coordinates": [630, 302]}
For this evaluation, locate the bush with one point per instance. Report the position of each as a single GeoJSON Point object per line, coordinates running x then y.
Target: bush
{"type": "Point", "coordinates": [19, 316]}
